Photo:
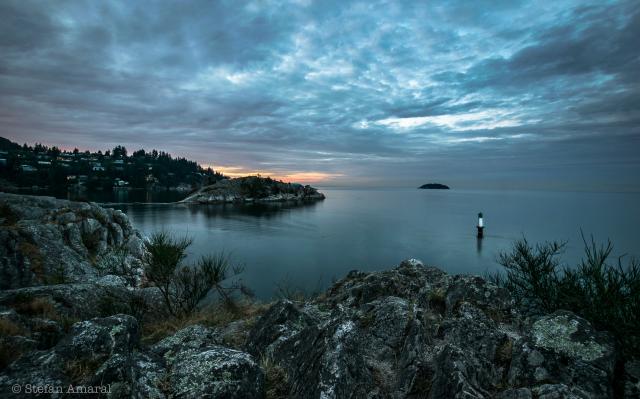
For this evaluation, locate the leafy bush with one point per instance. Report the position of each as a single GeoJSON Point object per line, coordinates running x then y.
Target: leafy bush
{"type": "Point", "coordinates": [255, 186]}
{"type": "Point", "coordinates": [184, 286]}
{"type": "Point", "coordinates": [533, 274]}
{"type": "Point", "coordinates": [605, 293]}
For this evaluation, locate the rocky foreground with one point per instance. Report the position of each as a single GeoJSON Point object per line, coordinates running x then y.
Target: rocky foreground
{"type": "Point", "coordinates": [44, 240]}
{"type": "Point", "coordinates": [409, 332]}
{"type": "Point", "coordinates": [253, 189]}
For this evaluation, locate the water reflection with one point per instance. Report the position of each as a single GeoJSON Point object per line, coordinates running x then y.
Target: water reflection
{"type": "Point", "coordinates": [109, 196]}
{"type": "Point", "coordinates": [260, 210]}
{"type": "Point", "coordinates": [376, 229]}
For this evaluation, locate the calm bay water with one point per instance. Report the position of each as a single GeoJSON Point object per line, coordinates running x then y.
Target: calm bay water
{"type": "Point", "coordinates": [307, 246]}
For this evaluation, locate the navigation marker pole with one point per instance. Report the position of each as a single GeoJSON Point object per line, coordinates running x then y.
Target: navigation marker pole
{"type": "Point", "coordinates": [480, 226]}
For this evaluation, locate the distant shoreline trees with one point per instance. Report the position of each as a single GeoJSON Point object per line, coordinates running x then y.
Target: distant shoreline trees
{"type": "Point", "coordinates": [55, 170]}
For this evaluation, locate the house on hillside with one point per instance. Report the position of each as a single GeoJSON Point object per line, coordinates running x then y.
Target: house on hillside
{"type": "Point", "coordinates": [97, 167]}
{"type": "Point", "coordinates": [28, 168]}
{"type": "Point", "coordinates": [183, 187]}
{"type": "Point", "coordinates": [119, 183]}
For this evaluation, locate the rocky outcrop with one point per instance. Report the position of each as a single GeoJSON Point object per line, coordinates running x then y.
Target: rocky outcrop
{"type": "Point", "coordinates": [44, 240]}
{"type": "Point", "coordinates": [253, 189]}
{"type": "Point", "coordinates": [416, 332]}
{"type": "Point", "coordinates": [410, 332]}
{"type": "Point", "coordinates": [106, 354]}
{"type": "Point", "coordinates": [198, 367]}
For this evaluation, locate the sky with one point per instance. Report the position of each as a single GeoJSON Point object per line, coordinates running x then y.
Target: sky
{"type": "Point", "coordinates": [475, 94]}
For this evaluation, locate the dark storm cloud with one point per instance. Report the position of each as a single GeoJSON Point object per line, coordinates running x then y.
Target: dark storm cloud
{"type": "Point", "coordinates": [363, 92]}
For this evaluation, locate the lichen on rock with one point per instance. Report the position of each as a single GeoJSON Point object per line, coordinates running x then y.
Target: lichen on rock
{"type": "Point", "coordinates": [556, 333]}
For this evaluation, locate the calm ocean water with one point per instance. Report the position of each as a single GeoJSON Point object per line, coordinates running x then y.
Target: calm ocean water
{"type": "Point", "coordinates": [372, 229]}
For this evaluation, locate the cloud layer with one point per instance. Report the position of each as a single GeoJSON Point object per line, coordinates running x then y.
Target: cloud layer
{"type": "Point", "coordinates": [483, 93]}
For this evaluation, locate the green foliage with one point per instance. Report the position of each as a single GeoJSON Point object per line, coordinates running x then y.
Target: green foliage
{"type": "Point", "coordinates": [255, 186]}
{"type": "Point", "coordinates": [533, 270]}
{"type": "Point", "coordinates": [184, 286]}
{"type": "Point", "coordinates": [605, 293]}
{"type": "Point", "coordinates": [135, 168]}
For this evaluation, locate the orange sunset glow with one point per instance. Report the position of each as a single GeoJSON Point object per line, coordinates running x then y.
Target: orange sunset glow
{"type": "Point", "coordinates": [288, 177]}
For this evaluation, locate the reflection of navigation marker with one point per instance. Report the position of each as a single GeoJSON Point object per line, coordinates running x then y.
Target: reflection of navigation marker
{"type": "Point", "coordinates": [480, 226]}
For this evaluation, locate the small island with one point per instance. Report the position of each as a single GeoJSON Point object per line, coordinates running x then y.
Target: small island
{"type": "Point", "coordinates": [434, 186]}
{"type": "Point", "coordinates": [253, 189]}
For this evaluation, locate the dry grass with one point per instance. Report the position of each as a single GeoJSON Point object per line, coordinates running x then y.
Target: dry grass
{"type": "Point", "coordinates": [437, 300]}
{"type": "Point", "coordinates": [81, 370]}
{"type": "Point", "coordinates": [504, 353]}
{"type": "Point", "coordinates": [33, 254]}
{"type": "Point", "coordinates": [40, 307]}
{"type": "Point", "coordinates": [9, 328]}
{"type": "Point", "coordinates": [212, 316]}
{"type": "Point", "coordinates": [275, 378]}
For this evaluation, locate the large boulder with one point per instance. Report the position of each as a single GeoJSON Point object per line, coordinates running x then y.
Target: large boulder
{"type": "Point", "coordinates": [44, 240]}
{"type": "Point", "coordinates": [197, 366]}
{"type": "Point", "coordinates": [416, 332]}
{"type": "Point", "coordinates": [101, 352]}
{"type": "Point", "coordinates": [107, 296]}
{"type": "Point", "coordinates": [106, 352]}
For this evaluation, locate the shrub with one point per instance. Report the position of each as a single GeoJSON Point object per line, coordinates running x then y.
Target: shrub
{"type": "Point", "coordinates": [254, 187]}
{"type": "Point", "coordinates": [184, 286]}
{"type": "Point", "coordinates": [607, 294]}
{"type": "Point", "coordinates": [532, 273]}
